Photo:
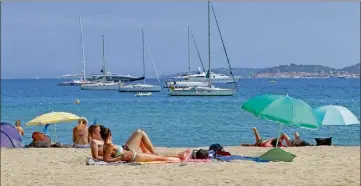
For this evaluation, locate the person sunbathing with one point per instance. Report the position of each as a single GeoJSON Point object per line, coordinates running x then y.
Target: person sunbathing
{"type": "Point", "coordinates": [260, 142]}
{"type": "Point", "coordinates": [296, 142]}
{"type": "Point", "coordinates": [138, 140]}
{"type": "Point", "coordinates": [81, 137]}
{"type": "Point", "coordinates": [96, 142]}
{"type": "Point", "coordinates": [113, 153]}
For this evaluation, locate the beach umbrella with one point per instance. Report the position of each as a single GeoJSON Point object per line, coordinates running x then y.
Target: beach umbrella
{"type": "Point", "coordinates": [53, 118]}
{"type": "Point", "coordinates": [284, 110]}
{"type": "Point", "coordinates": [335, 115]}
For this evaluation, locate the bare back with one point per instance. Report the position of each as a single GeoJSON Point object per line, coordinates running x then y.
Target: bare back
{"type": "Point", "coordinates": [80, 135]}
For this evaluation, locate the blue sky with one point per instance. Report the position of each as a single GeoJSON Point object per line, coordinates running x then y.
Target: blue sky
{"type": "Point", "coordinates": [42, 39]}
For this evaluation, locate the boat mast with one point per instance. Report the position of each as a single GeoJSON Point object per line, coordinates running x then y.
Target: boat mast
{"type": "Point", "coordinates": [104, 71]}
{"type": "Point", "coordinates": [82, 47]}
{"type": "Point", "coordinates": [224, 47]}
{"type": "Point", "coordinates": [199, 55]}
{"type": "Point", "coordinates": [209, 45]}
{"type": "Point", "coordinates": [143, 54]}
{"type": "Point", "coordinates": [189, 56]}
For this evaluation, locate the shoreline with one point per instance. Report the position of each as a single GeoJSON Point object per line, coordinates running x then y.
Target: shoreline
{"type": "Point", "coordinates": [316, 165]}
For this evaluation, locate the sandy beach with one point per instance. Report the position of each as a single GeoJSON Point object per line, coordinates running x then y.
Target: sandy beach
{"type": "Point", "coordinates": [54, 166]}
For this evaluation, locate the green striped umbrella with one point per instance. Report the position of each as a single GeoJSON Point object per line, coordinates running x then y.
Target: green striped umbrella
{"type": "Point", "coordinates": [283, 109]}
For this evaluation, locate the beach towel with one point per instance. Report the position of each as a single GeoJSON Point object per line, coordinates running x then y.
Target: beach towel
{"type": "Point", "coordinates": [238, 157]}
{"type": "Point", "coordinates": [91, 161]}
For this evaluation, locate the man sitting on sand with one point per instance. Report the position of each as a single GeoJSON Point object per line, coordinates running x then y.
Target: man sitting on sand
{"type": "Point", "coordinates": [19, 128]}
{"type": "Point", "coordinates": [96, 142]}
{"type": "Point", "coordinates": [138, 140]}
{"type": "Point", "coordinates": [272, 141]}
{"type": "Point", "coordinates": [81, 137]}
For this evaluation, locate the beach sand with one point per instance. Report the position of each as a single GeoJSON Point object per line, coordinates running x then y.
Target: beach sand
{"type": "Point", "coordinates": [54, 166]}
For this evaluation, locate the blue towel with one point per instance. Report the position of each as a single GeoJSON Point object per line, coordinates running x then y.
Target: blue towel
{"type": "Point", "coordinates": [237, 157]}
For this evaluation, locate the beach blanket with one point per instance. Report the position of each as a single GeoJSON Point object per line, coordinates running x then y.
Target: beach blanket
{"type": "Point", "coordinates": [238, 157]}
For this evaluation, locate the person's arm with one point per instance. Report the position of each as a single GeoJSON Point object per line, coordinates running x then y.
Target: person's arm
{"type": "Point", "coordinates": [22, 132]}
{"type": "Point", "coordinates": [89, 138]}
{"type": "Point", "coordinates": [74, 135]}
{"type": "Point", "coordinates": [94, 150]}
{"type": "Point", "coordinates": [108, 152]}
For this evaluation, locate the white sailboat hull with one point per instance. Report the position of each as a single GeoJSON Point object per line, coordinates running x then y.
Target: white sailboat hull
{"type": "Point", "coordinates": [100, 86]}
{"type": "Point", "coordinates": [186, 83]}
{"type": "Point", "coordinates": [74, 83]}
{"type": "Point", "coordinates": [202, 91]}
{"type": "Point", "coordinates": [139, 88]}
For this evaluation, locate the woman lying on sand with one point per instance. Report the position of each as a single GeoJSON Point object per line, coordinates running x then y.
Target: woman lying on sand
{"type": "Point", "coordinates": [264, 142]}
{"type": "Point", "coordinates": [272, 141]}
{"type": "Point", "coordinates": [113, 153]}
{"type": "Point", "coordinates": [139, 139]}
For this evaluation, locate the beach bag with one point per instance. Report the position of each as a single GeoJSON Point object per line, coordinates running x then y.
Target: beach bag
{"type": "Point", "coordinates": [216, 147]}
{"type": "Point", "coordinates": [323, 141]}
{"type": "Point", "coordinates": [200, 154]}
{"type": "Point", "coordinates": [218, 150]}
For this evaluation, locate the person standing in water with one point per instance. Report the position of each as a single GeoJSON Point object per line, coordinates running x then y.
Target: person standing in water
{"type": "Point", "coordinates": [19, 128]}
{"type": "Point", "coordinates": [81, 136]}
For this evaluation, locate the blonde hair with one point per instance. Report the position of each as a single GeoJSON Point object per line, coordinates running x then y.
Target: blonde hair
{"type": "Point", "coordinates": [83, 120]}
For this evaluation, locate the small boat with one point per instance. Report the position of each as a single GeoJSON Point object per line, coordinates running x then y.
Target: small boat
{"type": "Point", "coordinates": [142, 87]}
{"type": "Point", "coordinates": [102, 84]}
{"type": "Point", "coordinates": [209, 90]}
{"type": "Point", "coordinates": [143, 94]}
{"type": "Point", "coordinates": [272, 81]}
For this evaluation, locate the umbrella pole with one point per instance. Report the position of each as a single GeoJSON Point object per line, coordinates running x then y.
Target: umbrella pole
{"type": "Point", "coordinates": [331, 130]}
{"type": "Point", "coordinates": [279, 135]}
{"type": "Point", "coordinates": [56, 136]}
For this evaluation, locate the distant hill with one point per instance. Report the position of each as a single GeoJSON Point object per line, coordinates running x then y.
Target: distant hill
{"type": "Point", "coordinates": [352, 69]}
{"type": "Point", "coordinates": [245, 72]}
{"type": "Point", "coordinates": [298, 68]}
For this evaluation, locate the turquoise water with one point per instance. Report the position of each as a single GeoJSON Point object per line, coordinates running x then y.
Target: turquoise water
{"type": "Point", "coordinates": [178, 121]}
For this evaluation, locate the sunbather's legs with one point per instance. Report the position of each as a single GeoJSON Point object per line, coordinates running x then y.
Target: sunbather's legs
{"type": "Point", "coordinates": [256, 134]}
{"type": "Point", "coordinates": [297, 136]}
{"type": "Point", "coordinates": [141, 157]}
{"type": "Point", "coordinates": [285, 137]}
{"type": "Point", "coordinates": [140, 139]}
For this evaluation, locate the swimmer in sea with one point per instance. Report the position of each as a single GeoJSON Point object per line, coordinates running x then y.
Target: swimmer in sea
{"type": "Point", "coordinates": [81, 137]}
{"type": "Point", "coordinates": [113, 153]}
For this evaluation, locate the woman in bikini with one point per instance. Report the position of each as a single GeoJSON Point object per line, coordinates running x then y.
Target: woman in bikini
{"type": "Point", "coordinates": [113, 153]}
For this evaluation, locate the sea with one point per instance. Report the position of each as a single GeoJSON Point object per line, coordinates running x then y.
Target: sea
{"type": "Point", "coordinates": [177, 121]}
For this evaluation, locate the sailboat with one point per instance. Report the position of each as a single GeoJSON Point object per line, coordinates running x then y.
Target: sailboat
{"type": "Point", "coordinates": [209, 90]}
{"type": "Point", "coordinates": [141, 87]}
{"type": "Point", "coordinates": [103, 84]}
{"type": "Point", "coordinates": [187, 81]}
{"type": "Point", "coordinates": [82, 77]}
